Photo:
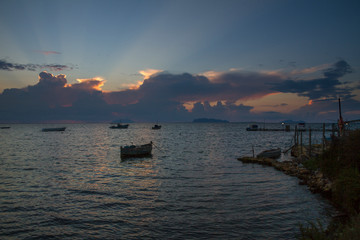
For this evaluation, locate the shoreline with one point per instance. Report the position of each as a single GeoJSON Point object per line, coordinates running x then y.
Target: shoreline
{"type": "Point", "coordinates": [316, 181]}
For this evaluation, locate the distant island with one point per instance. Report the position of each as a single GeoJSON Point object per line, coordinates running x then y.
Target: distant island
{"type": "Point", "coordinates": [209, 120]}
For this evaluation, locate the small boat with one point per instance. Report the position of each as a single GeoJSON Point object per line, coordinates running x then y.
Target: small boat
{"type": "Point", "coordinates": [120, 126]}
{"type": "Point", "coordinates": [60, 129]}
{"type": "Point", "coordinates": [4, 127]}
{"type": "Point", "coordinates": [136, 150]}
{"type": "Point", "coordinates": [253, 127]}
{"type": "Point", "coordinates": [155, 127]}
{"type": "Point", "coordinates": [272, 153]}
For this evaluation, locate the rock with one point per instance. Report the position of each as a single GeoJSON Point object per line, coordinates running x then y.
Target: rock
{"type": "Point", "coordinates": [316, 182]}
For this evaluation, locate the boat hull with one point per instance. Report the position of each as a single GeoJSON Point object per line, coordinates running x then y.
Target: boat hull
{"type": "Point", "coordinates": [61, 129]}
{"type": "Point", "coordinates": [120, 126]}
{"type": "Point", "coordinates": [136, 151]}
{"type": "Point", "coordinates": [272, 153]}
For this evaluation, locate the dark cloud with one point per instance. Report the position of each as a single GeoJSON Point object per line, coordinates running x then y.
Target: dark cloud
{"type": "Point", "coordinates": [227, 110]}
{"type": "Point", "coordinates": [276, 105]}
{"type": "Point", "coordinates": [338, 70]}
{"type": "Point", "coordinates": [328, 87]}
{"type": "Point", "coordinates": [52, 98]}
{"type": "Point", "coordinates": [163, 97]}
{"type": "Point", "coordinates": [4, 65]}
{"type": "Point", "coordinates": [230, 86]}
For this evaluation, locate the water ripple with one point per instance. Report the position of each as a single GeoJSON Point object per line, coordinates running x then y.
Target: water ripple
{"type": "Point", "coordinates": [75, 186]}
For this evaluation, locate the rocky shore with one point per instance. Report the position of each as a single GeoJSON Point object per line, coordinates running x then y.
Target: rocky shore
{"type": "Point", "coordinates": [316, 181]}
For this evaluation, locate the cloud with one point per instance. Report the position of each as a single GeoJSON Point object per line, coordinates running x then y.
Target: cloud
{"type": "Point", "coordinates": [276, 105]}
{"type": "Point", "coordinates": [7, 66]}
{"type": "Point", "coordinates": [309, 70]}
{"type": "Point", "coordinates": [48, 52]}
{"type": "Point", "coordinates": [328, 87]}
{"type": "Point", "coordinates": [338, 70]}
{"type": "Point", "coordinates": [89, 84]}
{"type": "Point", "coordinates": [229, 86]}
{"type": "Point", "coordinates": [163, 97]}
{"type": "Point", "coordinates": [52, 98]}
{"type": "Point", "coordinates": [147, 73]}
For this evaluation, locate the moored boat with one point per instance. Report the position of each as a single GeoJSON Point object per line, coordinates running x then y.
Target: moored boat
{"type": "Point", "coordinates": [59, 129]}
{"type": "Point", "coordinates": [136, 150]}
{"type": "Point", "coordinates": [253, 127]}
{"type": "Point", "coordinates": [156, 127]}
{"type": "Point", "coordinates": [271, 153]}
{"type": "Point", "coordinates": [119, 126]}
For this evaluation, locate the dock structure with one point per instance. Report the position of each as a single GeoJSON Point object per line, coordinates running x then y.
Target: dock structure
{"type": "Point", "coordinates": [289, 130]}
{"type": "Point", "coordinates": [300, 127]}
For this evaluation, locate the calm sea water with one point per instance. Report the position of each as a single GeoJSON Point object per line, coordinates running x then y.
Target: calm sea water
{"type": "Point", "coordinates": [73, 185]}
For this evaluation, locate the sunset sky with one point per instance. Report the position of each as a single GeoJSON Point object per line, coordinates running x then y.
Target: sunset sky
{"type": "Point", "coordinates": [176, 60]}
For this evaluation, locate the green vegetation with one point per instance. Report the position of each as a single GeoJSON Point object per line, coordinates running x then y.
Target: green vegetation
{"type": "Point", "coordinates": [341, 164]}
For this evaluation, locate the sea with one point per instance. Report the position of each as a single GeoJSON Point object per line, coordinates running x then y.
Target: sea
{"type": "Point", "coordinates": [74, 184]}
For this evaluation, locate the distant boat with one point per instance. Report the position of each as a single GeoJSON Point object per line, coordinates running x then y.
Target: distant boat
{"type": "Point", "coordinates": [253, 127]}
{"type": "Point", "coordinates": [4, 127]}
{"type": "Point", "coordinates": [155, 127]}
{"type": "Point", "coordinates": [120, 126]}
{"type": "Point", "coordinates": [136, 150]}
{"type": "Point", "coordinates": [60, 129]}
{"type": "Point", "coordinates": [272, 153]}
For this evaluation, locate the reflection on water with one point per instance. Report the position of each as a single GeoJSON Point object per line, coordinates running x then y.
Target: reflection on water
{"type": "Point", "coordinates": [74, 185]}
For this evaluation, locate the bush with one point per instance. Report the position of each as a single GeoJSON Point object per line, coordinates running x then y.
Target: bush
{"type": "Point", "coordinates": [346, 190]}
{"type": "Point", "coordinates": [343, 154]}
{"type": "Point", "coordinates": [312, 164]}
{"type": "Point", "coordinates": [340, 163]}
{"type": "Point", "coordinates": [352, 230]}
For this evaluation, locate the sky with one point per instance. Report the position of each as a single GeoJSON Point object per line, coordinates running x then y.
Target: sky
{"type": "Point", "coordinates": [178, 60]}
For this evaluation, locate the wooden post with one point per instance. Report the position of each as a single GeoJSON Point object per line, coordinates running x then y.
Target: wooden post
{"type": "Point", "coordinates": [253, 152]}
{"type": "Point", "coordinates": [323, 139]}
{"type": "Point", "coordinates": [301, 143]}
{"type": "Point", "coordinates": [309, 142]}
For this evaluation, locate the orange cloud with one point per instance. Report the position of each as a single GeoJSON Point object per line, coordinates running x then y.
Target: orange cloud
{"type": "Point", "coordinates": [89, 84]}
{"type": "Point", "coordinates": [147, 73]}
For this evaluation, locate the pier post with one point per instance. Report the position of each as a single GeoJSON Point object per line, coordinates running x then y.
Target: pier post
{"type": "Point", "coordinates": [301, 143]}
{"type": "Point", "coordinates": [323, 139]}
{"type": "Point", "coordinates": [309, 142]}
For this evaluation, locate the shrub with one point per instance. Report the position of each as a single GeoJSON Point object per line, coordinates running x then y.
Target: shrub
{"type": "Point", "coordinates": [346, 191]}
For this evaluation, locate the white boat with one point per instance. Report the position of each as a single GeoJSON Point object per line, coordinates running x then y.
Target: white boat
{"type": "Point", "coordinates": [136, 150]}
{"type": "Point", "coordinates": [272, 153]}
{"type": "Point", "coordinates": [59, 129]}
